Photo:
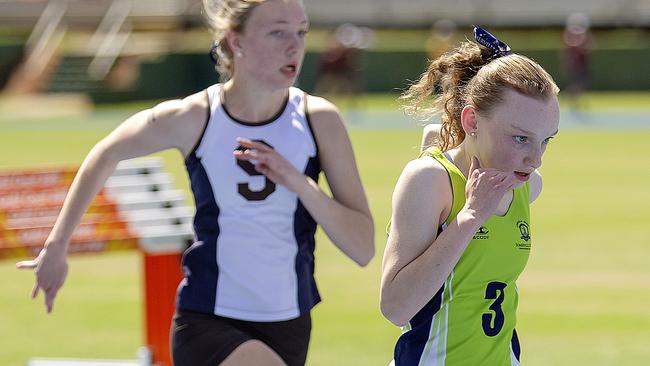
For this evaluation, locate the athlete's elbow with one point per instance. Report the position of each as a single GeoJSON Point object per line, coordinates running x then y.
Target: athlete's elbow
{"type": "Point", "coordinates": [366, 248]}
{"type": "Point", "coordinates": [365, 256]}
{"type": "Point", "coordinates": [392, 311]}
{"type": "Point", "coordinates": [100, 158]}
{"type": "Point", "coordinates": [105, 152]}
{"type": "Point", "coordinates": [357, 241]}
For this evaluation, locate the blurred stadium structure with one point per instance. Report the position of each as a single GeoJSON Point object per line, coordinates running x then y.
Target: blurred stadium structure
{"type": "Point", "coordinates": [526, 13]}
{"type": "Point", "coordinates": [116, 50]}
{"type": "Point", "coordinates": [392, 13]}
{"type": "Point", "coordinates": [90, 13]}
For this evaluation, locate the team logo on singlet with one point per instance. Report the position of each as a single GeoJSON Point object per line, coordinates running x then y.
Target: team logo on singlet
{"type": "Point", "coordinates": [482, 233]}
{"type": "Point", "coordinates": [524, 232]}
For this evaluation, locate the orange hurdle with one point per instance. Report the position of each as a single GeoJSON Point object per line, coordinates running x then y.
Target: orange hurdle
{"type": "Point", "coordinates": [154, 221]}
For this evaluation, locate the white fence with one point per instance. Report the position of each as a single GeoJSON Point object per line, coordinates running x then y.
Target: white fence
{"type": "Point", "coordinates": [412, 13]}
{"type": "Point", "coordinates": [402, 13]}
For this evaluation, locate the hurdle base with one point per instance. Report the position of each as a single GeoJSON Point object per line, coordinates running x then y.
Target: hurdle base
{"type": "Point", "coordinates": [144, 359]}
{"type": "Point", "coordinates": [79, 362]}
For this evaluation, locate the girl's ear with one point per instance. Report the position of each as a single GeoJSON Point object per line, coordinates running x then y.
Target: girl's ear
{"type": "Point", "coordinates": [468, 120]}
{"type": "Point", "coordinates": [233, 39]}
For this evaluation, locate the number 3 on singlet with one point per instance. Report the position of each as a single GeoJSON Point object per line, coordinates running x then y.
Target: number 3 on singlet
{"type": "Point", "coordinates": [249, 168]}
{"type": "Point", "coordinates": [493, 321]}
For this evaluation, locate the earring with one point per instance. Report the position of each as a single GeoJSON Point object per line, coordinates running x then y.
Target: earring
{"type": "Point", "coordinates": [473, 134]}
{"type": "Point", "coordinates": [238, 53]}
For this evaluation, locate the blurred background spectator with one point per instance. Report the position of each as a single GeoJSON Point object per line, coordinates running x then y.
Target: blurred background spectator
{"type": "Point", "coordinates": [577, 46]}
{"type": "Point", "coordinates": [441, 38]}
{"type": "Point", "coordinates": [338, 69]}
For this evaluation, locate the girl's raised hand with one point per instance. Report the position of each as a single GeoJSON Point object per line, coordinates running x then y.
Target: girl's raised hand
{"type": "Point", "coordinates": [485, 188]}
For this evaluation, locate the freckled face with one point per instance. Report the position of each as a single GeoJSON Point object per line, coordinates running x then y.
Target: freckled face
{"type": "Point", "coordinates": [513, 136]}
{"type": "Point", "coordinates": [273, 44]}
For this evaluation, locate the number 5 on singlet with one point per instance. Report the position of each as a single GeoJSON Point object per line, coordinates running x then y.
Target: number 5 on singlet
{"type": "Point", "coordinates": [244, 187]}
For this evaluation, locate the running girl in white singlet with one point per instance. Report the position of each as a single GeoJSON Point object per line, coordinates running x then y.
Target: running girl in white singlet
{"type": "Point", "coordinates": [254, 147]}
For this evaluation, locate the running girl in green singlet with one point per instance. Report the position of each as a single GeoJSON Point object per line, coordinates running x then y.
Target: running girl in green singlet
{"type": "Point", "coordinates": [461, 232]}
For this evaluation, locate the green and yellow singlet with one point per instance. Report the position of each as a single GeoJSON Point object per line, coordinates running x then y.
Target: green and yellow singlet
{"type": "Point", "coordinates": [471, 319]}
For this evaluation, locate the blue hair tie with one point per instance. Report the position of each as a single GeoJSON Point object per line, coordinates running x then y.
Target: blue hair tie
{"type": "Point", "coordinates": [491, 42]}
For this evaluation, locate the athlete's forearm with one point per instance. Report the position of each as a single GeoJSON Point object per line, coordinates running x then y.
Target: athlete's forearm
{"type": "Point", "coordinates": [89, 180]}
{"type": "Point", "coordinates": [417, 282]}
{"type": "Point", "coordinates": [350, 230]}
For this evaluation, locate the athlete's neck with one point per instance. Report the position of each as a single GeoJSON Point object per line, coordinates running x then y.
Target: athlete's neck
{"type": "Point", "coordinates": [462, 158]}
{"type": "Point", "coordinates": [252, 104]}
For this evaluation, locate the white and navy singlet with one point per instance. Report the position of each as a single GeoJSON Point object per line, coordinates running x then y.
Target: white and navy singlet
{"type": "Point", "coordinates": [253, 258]}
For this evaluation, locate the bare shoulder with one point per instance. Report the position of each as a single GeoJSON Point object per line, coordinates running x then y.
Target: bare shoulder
{"type": "Point", "coordinates": [421, 202]}
{"type": "Point", "coordinates": [330, 133]}
{"type": "Point", "coordinates": [191, 109]}
{"type": "Point", "coordinates": [432, 129]}
{"type": "Point", "coordinates": [535, 186]}
{"type": "Point", "coordinates": [430, 135]}
{"type": "Point", "coordinates": [323, 114]}
{"type": "Point", "coordinates": [425, 174]}
{"type": "Point", "coordinates": [184, 118]}
{"type": "Point", "coordinates": [424, 187]}
{"type": "Point", "coordinates": [320, 105]}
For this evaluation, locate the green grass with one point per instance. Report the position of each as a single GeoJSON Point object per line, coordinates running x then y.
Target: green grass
{"type": "Point", "coordinates": [622, 101]}
{"type": "Point", "coordinates": [584, 294]}
{"type": "Point", "coordinates": [618, 101]}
